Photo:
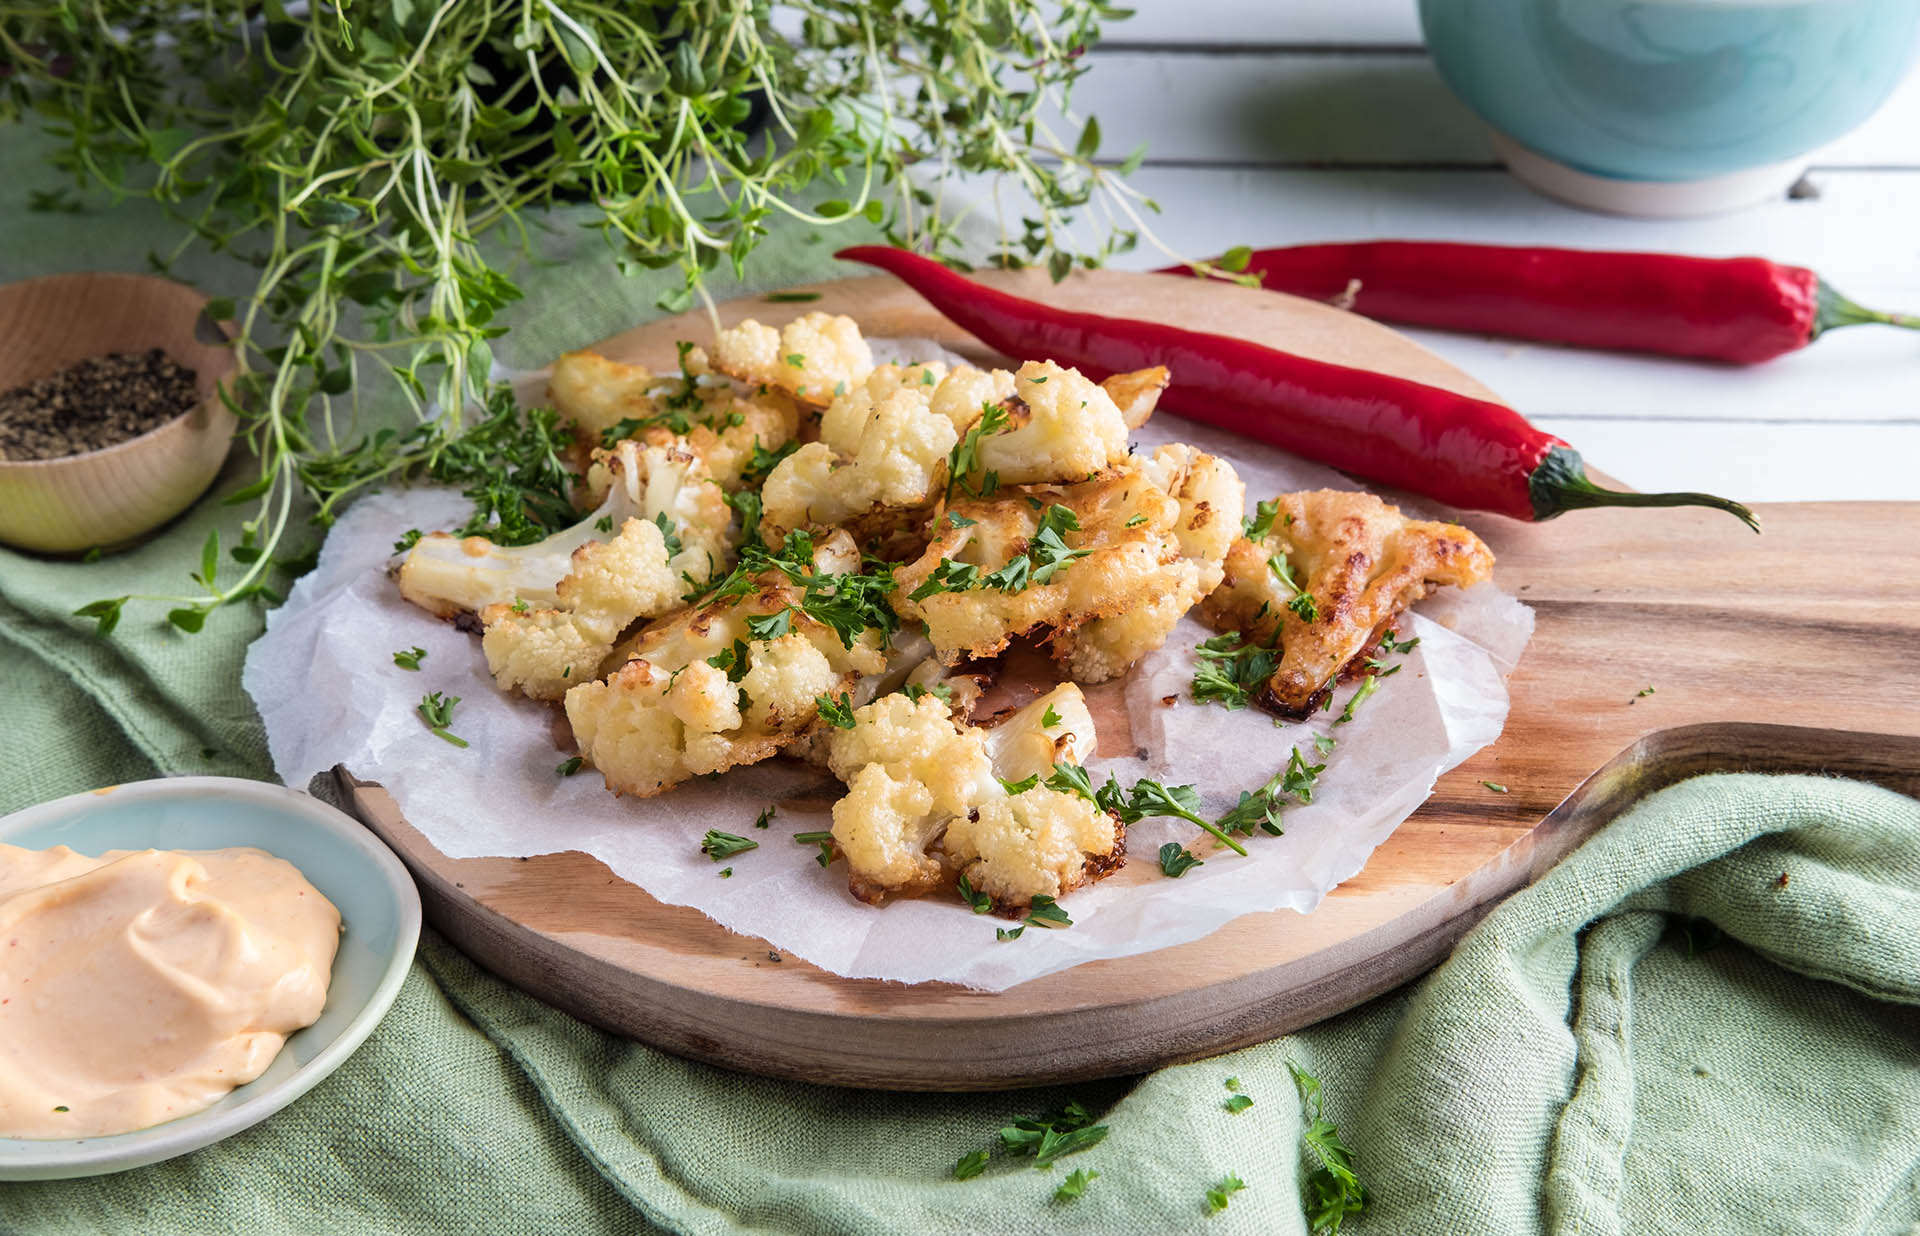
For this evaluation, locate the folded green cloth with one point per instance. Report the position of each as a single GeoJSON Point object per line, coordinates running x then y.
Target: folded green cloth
{"type": "Point", "coordinates": [1576, 1066]}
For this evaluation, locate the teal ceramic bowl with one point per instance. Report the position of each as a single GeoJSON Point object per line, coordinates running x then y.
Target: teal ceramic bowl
{"type": "Point", "coordinates": [379, 908]}
{"type": "Point", "coordinates": [1671, 92]}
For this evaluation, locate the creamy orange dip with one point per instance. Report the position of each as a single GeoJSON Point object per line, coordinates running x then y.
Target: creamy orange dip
{"type": "Point", "coordinates": [143, 985]}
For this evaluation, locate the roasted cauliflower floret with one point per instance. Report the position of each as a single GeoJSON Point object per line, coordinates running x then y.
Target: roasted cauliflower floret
{"type": "Point", "coordinates": [663, 485]}
{"type": "Point", "coordinates": [543, 652]}
{"type": "Point", "coordinates": [880, 462]}
{"type": "Point", "coordinates": [919, 788]}
{"type": "Point", "coordinates": [1330, 573]}
{"type": "Point", "coordinates": [1211, 498]}
{"type": "Point", "coordinates": [1059, 559]}
{"type": "Point", "coordinates": [646, 730]}
{"type": "Point", "coordinates": [1136, 394]}
{"type": "Point", "coordinates": [814, 357]}
{"type": "Point", "coordinates": [1059, 427]}
{"type": "Point", "coordinates": [1039, 843]}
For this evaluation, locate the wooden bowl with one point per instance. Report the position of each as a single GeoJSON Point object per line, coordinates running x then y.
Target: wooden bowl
{"type": "Point", "coordinates": [108, 497]}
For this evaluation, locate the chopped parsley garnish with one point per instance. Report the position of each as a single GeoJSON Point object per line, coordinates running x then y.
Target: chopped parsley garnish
{"type": "Point", "coordinates": [939, 690]}
{"type": "Point", "coordinates": [1643, 693]}
{"type": "Point", "coordinates": [791, 298]}
{"type": "Point", "coordinates": [726, 873]}
{"type": "Point", "coordinates": [965, 456]}
{"type": "Point", "coordinates": [980, 902]}
{"type": "Point", "coordinates": [764, 818]}
{"type": "Point", "coordinates": [604, 523]}
{"type": "Point", "coordinates": [407, 541]}
{"type": "Point", "coordinates": [971, 1164]}
{"type": "Point", "coordinates": [1037, 381]}
{"type": "Point", "coordinates": [569, 767]}
{"type": "Point", "coordinates": [733, 660]}
{"type": "Point", "coordinates": [1074, 1185]}
{"type": "Point", "coordinates": [1073, 779]}
{"type": "Point", "coordinates": [797, 359]}
{"type": "Point", "coordinates": [1152, 798]}
{"type": "Point", "coordinates": [1218, 1195]}
{"type": "Point", "coordinates": [1261, 808]}
{"type": "Point", "coordinates": [1134, 521]}
{"type": "Point", "coordinates": [1007, 933]}
{"type": "Point", "coordinates": [1282, 570]}
{"type": "Point", "coordinates": [1176, 860]}
{"type": "Point", "coordinates": [1305, 608]}
{"type": "Point", "coordinates": [1368, 686]}
{"type": "Point", "coordinates": [1238, 1103]}
{"type": "Point", "coordinates": [745, 504]}
{"type": "Point", "coordinates": [823, 839]}
{"type": "Point", "coordinates": [437, 711]}
{"type": "Point", "coordinates": [1021, 786]}
{"type": "Point", "coordinates": [1046, 912]}
{"type": "Point", "coordinates": [410, 660]}
{"type": "Point", "coordinates": [948, 575]}
{"type": "Point", "coordinates": [837, 713]}
{"type": "Point", "coordinates": [1047, 553]}
{"type": "Point", "coordinates": [1391, 642]}
{"type": "Point", "coordinates": [770, 626]}
{"type": "Point", "coordinates": [960, 521]}
{"type": "Point", "coordinates": [717, 845]}
{"type": "Point", "coordinates": [1049, 718]}
{"type": "Point", "coordinates": [668, 533]}
{"type": "Point", "coordinates": [1495, 786]}
{"type": "Point", "coordinates": [1228, 671]}
{"type": "Point", "coordinates": [520, 605]}
{"type": "Point", "coordinates": [763, 461]}
{"type": "Point", "coordinates": [1053, 1135]}
{"type": "Point", "coordinates": [1233, 1084]}
{"type": "Point", "coordinates": [1260, 522]}
{"type": "Point", "coordinates": [1333, 1192]}
{"type": "Point", "coordinates": [1324, 743]}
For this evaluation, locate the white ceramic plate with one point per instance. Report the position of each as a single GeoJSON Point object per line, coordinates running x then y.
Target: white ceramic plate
{"type": "Point", "coordinates": [378, 905]}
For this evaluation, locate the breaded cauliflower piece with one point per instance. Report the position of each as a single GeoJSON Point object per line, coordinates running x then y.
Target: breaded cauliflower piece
{"type": "Point", "coordinates": [926, 802]}
{"type": "Point", "coordinates": [1048, 424]}
{"type": "Point", "coordinates": [667, 486]}
{"type": "Point", "coordinates": [815, 357]}
{"type": "Point", "coordinates": [704, 413]}
{"type": "Point", "coordinates": [1211, 498]}
{"type": "Point", "coordinates": [664, 716]}
{"type": "Point", "coordinates": [880, 462]}
{"type": "Point", "coordinates": [1136, 394]}
{"type": "Point", "coordinates": [543, 652]}
{"type": "Point", "coordinates": [1039, 843]}
{"type": "Point", "coordinates": [1147, 556]}
{"type": "Point", "coordinates": [1329, 577]}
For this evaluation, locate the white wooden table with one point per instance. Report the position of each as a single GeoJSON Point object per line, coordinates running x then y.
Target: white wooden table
{"type": "Point", "coordinates": [1307, 120]}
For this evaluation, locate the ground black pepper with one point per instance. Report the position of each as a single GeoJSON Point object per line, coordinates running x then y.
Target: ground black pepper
{"type": "Point", "coordinates": [94, 403]}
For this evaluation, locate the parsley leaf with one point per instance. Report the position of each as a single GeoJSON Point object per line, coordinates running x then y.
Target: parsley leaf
{"type": "Point", "coordinates": [733, 660]}
{"type": "Point", "coordinates": [948, 575]}
{"type": "Point", "coordinates": [1049, 718]}
{"type": "Point", "coordinates": [939, 690]}
{"type": "Point", "coordinates": [437, 711]}
{"type": "Point", "coordinates": [823, 839]}
{"type": "Point", "coordinates": [1368, 686]}
{"type": "Point", "coordinates": [1257, 525]}
{"type": "Point", "coordinates": [1227, 671]}
{"type": "Point", "coordinates": [1073, 779]}
{"type": "Point", "coordinates": [410, 660]}
{"type": "Point", "coordinates": [1495, 786]}
{"type": "Point", "coordinates": [764, 818]}
{"type": "Point", "coordinates": [980, 902]}
{"type": "Point", "coordinates": [1021, 786]}
{"type": "Point", "coordinates": [570, 766]}
{"type": "Point", "coordinates": [1238, 1103]}
{"type": "Point", "coordinates": [1333, 1192]}
{"type": "Point", "coordinates": [1179, 801]}
{"type": "Point", "coordinates": [1176, 860]}
{"type": "Point", "coordinates": [1006, 933]}
{"type": "Point", "coordinates": [837, 713]}
{"type": "Point", "coordinates": [1074, 1185]}
{"type": "Point", "coordinates": [971, 1164]}
{"type": "Point", "coordinates": [1218, 1195]}
{"type": "Point", "coordinates": [1261, 808]}
{"type": "Point", "coordinates": [1053, 1135]}
{"type": "Point", "coordinates": [1046, 912]}
{"type": "Point", "coordinates": [965, 456]}
{"type": "Point", "coordinates": [717, 845]}
{"type": "Point", "coordinates": [770, 626]}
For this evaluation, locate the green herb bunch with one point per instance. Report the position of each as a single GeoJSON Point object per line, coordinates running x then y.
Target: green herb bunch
{"type": "Point", "coordinates": [357, 155]}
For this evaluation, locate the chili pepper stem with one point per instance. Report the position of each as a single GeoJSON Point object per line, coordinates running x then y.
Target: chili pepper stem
{"type": "Point", "coordinates": [1837, 310]}
{"type": "Point", "coordinates": [1560, 484]}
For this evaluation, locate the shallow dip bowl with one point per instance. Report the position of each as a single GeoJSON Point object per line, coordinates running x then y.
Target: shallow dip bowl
{"type": "Point", "coordinates": [379, 909]}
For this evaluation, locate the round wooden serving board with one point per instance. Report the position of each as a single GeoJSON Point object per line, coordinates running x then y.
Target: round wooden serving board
{"type": "Point", "coordinates": [1813, 624]}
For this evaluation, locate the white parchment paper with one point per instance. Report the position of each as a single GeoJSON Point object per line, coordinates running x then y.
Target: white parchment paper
{"type": "Point", "coordinates": [327, 688]}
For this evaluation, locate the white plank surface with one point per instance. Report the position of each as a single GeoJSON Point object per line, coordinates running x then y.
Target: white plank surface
{"type": "Point", "coordinates": [1269, 23]}
{"type": "Point", "coordinates": [1347, 106]}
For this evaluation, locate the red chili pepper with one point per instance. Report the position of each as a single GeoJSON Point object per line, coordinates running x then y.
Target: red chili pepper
{"type": "Point", "coordinates": [1465, 452]}
{"type": "Point", "coordinates": [1742, 310]}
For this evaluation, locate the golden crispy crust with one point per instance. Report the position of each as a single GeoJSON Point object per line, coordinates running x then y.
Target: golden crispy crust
{"type": "Point", "coordinates": [1360, 560]}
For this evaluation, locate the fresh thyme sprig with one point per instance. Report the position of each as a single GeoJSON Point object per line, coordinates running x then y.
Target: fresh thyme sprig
{"type": "Point", "coordinates": [361, 158]}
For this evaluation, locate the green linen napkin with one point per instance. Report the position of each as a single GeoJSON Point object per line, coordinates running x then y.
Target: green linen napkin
{"type": "Point", "coordinates": [1573, 1067]}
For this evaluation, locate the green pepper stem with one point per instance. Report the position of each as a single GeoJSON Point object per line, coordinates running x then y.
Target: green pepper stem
{"type": "Point", "coordinates": [1559, 483]}
{"type": "Point", "coordinates": [1836, 310]}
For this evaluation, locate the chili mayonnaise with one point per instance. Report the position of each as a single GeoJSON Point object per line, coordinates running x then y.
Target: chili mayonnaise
{"type": "Point", "coordinates": [143, 985]}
